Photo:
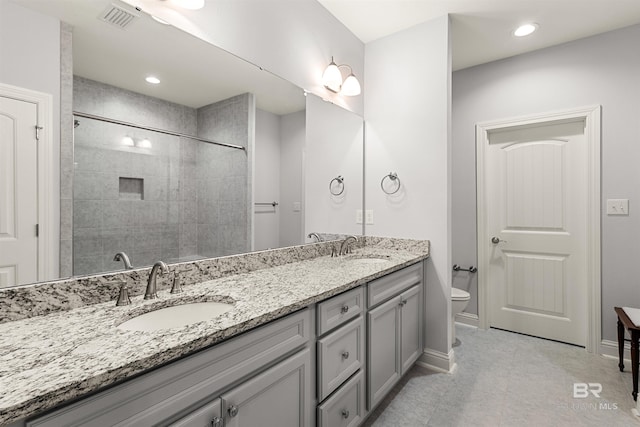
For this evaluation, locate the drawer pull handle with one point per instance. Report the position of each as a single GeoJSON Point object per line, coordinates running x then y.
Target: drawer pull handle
{"type": "Point", "coordinates": [345, 413]}
{"type": "Point", "coordinates": [402, 302]}
{"type": "Point", "coordinates": [344, 309]}
{"type": "Point", "coordinates": [216, 422]}
{"type": "Point", "coordinates": [233, 411]}
{"type": "Point", "coordinates": [345, 354]}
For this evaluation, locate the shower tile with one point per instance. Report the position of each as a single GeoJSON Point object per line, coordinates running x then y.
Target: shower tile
{"type": "Point", "coordinates": [66, 219]}
{"type": "Point", "coordinates": [118, 213]}
{"type": "Point", "coordinates": [87, 214]}
{"type": "Point", "coordinates": [89, 159]}
{"type": "Point", "coordinates": [87, 265]}
{"type": "Point", "coordinates": [88, 186]}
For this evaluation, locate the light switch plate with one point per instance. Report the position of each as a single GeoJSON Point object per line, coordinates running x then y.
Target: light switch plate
{"type": "Point", "coordinates": [368, 216]}
{"type": "Point", "coordinates": [296, 206]}
{"type": "Point", "coordinates": [617, 206]}
{"type": "Point", "coordinates": [359, 216]}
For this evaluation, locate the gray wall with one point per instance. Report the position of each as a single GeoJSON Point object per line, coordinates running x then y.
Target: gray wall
{"type": "Point", "coordinates": [292, 133]}
{"type": "Point", "coordinates": [603, 69]}
{"type": "Point", "coordinates": [407, 131]}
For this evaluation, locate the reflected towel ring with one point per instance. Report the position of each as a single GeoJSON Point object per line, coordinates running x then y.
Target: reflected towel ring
{"type": "Point", "coordinates": [394, 178]}
{"type": "Point", "coordinates": [340, 180]}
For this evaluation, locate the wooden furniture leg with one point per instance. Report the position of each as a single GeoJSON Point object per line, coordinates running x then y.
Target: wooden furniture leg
{"type": "Point", "coordinates": [634, 362]}
{"type": "Point", "coordinates": [620, 345]}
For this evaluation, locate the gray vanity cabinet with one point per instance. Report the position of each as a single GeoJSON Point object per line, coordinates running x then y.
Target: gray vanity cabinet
{"type": "Point", "coordinates": [277, 397]}
{"type": "Point", "coordinates": [265, 372]}
{"type": "Point", "coordinates": [210, 415]}
{"type": "Point", "coordinates": [394, 330]}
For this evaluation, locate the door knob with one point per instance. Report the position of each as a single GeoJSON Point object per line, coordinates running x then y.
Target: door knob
{"type": "Point", "coordinates": [496, 240]}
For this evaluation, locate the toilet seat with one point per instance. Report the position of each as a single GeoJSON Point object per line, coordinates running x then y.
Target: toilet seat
{"type": "Point", "coordinates": [459, 295]}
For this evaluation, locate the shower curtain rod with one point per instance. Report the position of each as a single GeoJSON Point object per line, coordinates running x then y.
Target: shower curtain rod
{"type": "Point", "coordinates": [166, 132]}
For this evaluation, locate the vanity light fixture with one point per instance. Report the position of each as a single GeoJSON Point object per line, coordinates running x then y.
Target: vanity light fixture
{"type": "Point", "coordinates": [153, 80]}
{"type": "Point", "coordinates": [525, 29]}
{"type": "Point", "coordinates": [332, 80]}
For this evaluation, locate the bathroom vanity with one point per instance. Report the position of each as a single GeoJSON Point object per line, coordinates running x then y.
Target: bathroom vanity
{"type": "Point", "coordinates": [319, 340]}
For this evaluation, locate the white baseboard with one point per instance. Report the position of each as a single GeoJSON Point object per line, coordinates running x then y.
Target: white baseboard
{"type": "Point", "coordinates": [437, 361]}
{"type": "Point", "coordinates": [469, 319]}
{"type": "Point", "coordinates": [610, 349]}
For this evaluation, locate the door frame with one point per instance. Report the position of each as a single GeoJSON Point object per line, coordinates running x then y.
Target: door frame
{"type": "Point", "coordinates": [592, 117]}
{"type": "Point", "coordinates": [47, 249]}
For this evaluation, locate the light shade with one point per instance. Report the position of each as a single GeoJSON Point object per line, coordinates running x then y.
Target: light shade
{"type": "Point", "coordinates": [153, 80]}
{"type": "Point", "coordinates": [332, 78]}
{"type": "Point", "coordinates": [351, 86]}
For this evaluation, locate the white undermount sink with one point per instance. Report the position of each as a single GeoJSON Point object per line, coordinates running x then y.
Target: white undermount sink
{"type": "Point", "coordinates": [176, 316]}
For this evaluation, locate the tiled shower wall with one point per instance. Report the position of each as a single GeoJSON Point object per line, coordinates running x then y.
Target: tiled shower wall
{"type": "Point", "coordinates": [224, 180]}
{"type": "Point", "coordinates": [150, 201]}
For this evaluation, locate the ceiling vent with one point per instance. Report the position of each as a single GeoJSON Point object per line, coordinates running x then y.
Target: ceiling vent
{"type": "Point", "coordinates": [117, 16]}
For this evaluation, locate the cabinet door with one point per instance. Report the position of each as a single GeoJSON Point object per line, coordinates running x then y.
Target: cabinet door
{"type": "Point", "coordinates": [209, 415]}
{"type": "Point", "coordinates": [411, 327]}
{"type": "Point", "coordinates": [280, 396]}
{"type": "Point", "coordinates": [383, 350]}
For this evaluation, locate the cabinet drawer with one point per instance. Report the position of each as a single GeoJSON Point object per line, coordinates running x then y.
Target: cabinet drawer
{"type": "Point", "coordinates": [340, 309]}
{"type": "Point", "coordinates": [346, 407]}
{"type": "Point", "coordinates": [209, 415]}
{"type": "Point", "coordinates": [392, 284]}
{"type": "Point", "coordinates": [340, 355]}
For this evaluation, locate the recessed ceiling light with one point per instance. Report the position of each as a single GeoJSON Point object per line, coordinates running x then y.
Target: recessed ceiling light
{"type": "Point", "coordinates": [525, 30]}
{"type": "Point", "coordinates": [190, 4]}
{"type": "Point", "coordinates": [153, 80]}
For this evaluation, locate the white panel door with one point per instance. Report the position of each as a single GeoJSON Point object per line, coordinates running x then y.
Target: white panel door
{"type": "Point", "coordinates": [536, 204]}
{"type": "Point", "coordinates": [18, 192]}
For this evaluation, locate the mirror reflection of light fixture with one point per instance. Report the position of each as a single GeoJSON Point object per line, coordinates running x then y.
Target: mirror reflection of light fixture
{"type": "Point", "coordinates": [145, 143]}
{"type": "Point", "coordinates": [332, 80]}
{"type": "Point", "coordinates": [127, 141]}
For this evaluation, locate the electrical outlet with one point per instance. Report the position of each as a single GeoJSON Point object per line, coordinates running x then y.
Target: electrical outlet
{"type": "Point", "coordinates": [359, 216]}
{"type": "Point", "coordinates": [369, 216]}
{"type": "Point", "coordinates": [617, 206]}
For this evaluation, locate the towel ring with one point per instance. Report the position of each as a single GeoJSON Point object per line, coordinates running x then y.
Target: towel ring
{"type": "Point", "coordinates": [394, 178]}
{"type": "Point", "coordinates": [340, 180]}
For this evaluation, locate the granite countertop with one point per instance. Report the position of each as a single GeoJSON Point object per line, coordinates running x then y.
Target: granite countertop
{"type": "Point", "coordinates": [47, 360]}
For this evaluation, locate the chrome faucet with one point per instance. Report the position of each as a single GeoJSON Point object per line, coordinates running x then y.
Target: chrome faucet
{"type": "Point", "coordinates": [316, 236]}
{"type": "Point", "coordinates": [151, 291]}
{"type": "Point", "coordinates": [344, 247]}
{"type": "Point", "coordinates": [121, 256]}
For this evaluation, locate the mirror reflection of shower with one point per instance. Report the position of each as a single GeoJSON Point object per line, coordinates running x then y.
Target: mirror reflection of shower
{"type": "Point", "coordinates": [154, 196]}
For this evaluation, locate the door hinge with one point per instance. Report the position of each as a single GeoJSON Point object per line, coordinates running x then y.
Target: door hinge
{"type": "Point", "coordinates": [37, 230]}
{"type": "Point", "coordinates": [38, 129]}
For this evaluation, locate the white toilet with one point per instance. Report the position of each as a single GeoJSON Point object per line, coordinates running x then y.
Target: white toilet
{"type": "Point", "coordinates": [459, 301]}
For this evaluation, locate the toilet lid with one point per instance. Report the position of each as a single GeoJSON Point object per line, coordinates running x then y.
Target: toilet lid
{"type": "Point", "coordinates": [459, 294]}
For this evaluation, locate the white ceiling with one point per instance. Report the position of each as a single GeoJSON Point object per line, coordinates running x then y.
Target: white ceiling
{"type": "Point", "coordinates": [480, 33]}
{"type": "Point", "coordinates": [192, 72]}
{"type": "Point", "coordinates": [481, 29]}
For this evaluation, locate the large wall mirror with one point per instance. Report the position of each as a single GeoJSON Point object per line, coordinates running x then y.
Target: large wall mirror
{"type": "Point", "coordinates": [221, 157]}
